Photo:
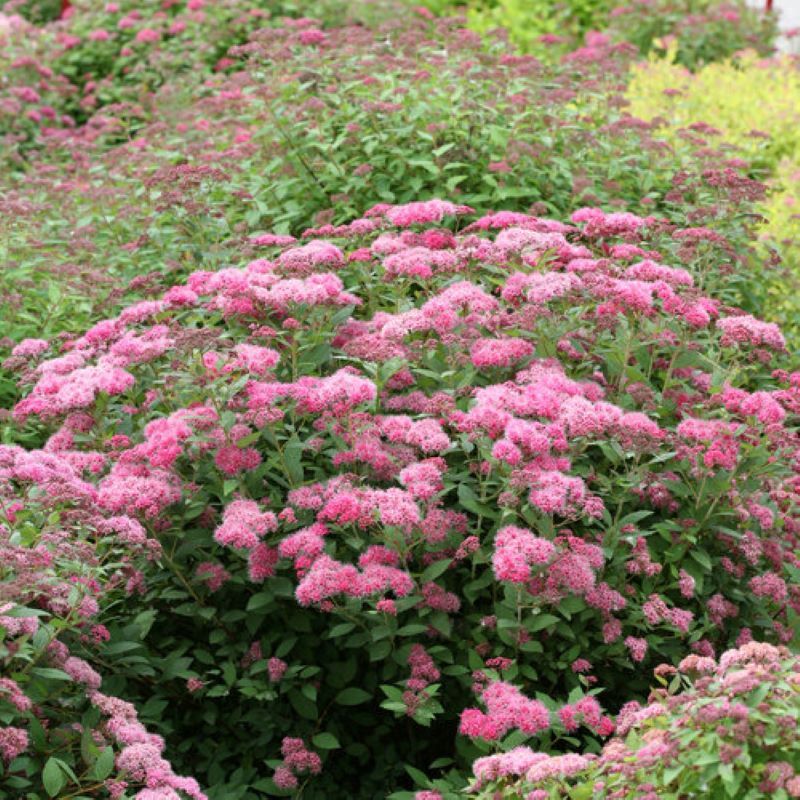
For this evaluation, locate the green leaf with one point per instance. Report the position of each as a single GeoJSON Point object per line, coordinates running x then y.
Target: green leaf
{"type": "Point", "coordinates": [341, 629]}
{"type": "Point", "coordinates": [302, 705]}
{"type": "Point", "coordinates": [50, 673]}
{"type": "Point", "coordinates": [435, 570]}
{"type": "Point", "coordinates": [249, 439]}
{"type": "Point", "coordinates": [37, 733]}
{"type": "Point", "coordinates": [104, 764]}
{"type": "Point", "coordinates": [53, 777]}
{"type": "Point", "coordinates": [540, 621]}
{"type": "Point", "coordinates": [379, 650]}
{"type": "Point", "coordinates": [352, 696]}
{"type": "Point", "coordinates": [293, 457]}
{"type": "Point", "coordinates": [259, 600]}
{"type": "Point", "coordinates": [419, 778]}
{"type": "Point", "coordinates": [144, 622]}
{"type": "Point", "coordinates": [229, 673]}
{"type": "Point", "coordinates": [701, 557]}
{"type": "Point", "coordinates": [412, 629]}
{"type": "Point", "coordinates": [325, 741]}
{"type": "Point", "coordinates": [469, 500]}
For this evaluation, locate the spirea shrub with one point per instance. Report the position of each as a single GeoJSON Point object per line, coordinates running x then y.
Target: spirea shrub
{"type": "Point", "coordinates": [703, 31]}
{"type": "Point", "coordinates": [397, 492]}
{"type": "Point", "coordinates": [36, 11]}
{"type": "Point", "coordinates": [722, 729]}
{"type": "Point", "coordinates": [721, 95]}
{"type": "Point", "coordinates": [61, 75]}
{"type": "Point", "coordinates": [299, 129]}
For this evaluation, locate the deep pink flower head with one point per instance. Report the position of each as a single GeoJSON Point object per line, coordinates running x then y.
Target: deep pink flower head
{"type": "Point", "coordinates": [148, 36]}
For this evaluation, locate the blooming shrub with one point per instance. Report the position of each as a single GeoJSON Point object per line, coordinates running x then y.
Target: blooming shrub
{"type": "Point", "coordinates": [61, 561]}
{"type": "Point", "coordinates": [724, 95]}
{"type": "Point", "coordinates": [720, 729]}
{"type": "Point", "coordinates": [372, 506]}
{"type": "Point", "coordinates": [752, 104]}
{"type": "Point", "coordinates": [294, 132]}
{"type": "Point", "coordinates": [703, 31]}
{"type": "Point", "coordinates": [36, 11]}
{"type": "Point", "coordinates": [117, 55]}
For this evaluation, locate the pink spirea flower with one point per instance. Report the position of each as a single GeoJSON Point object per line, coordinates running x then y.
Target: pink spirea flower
{"type": "Point", "coordinates": [243, 524]}
{"type": "Point", "coordinates": [276, 668]}
{"type": "Point", "coordinates": [312, 36]}
{"type": "Point", "coordinates": [308, 258]}
{"type": "Point", "coordinates": [81, 672]}
{"type": "Point", "coordinates": [148, 36]}
{"type": "Point", "coordinates": [261, 562]}
{"type": "Point", "coordinates": [516, 551]}
{"type": "Point", "coordinates": [13, 742]}
{"type": "Point", "coordinates": [500, 353]}
{"type": "Point", "coordinates": [746, 329]}
{"type": "Point", "coordinates": [419, 213]}
{"type": "Point", "coordinates": [506, 708]}
{"type": "Point", "coordinates": [232, 459]}
{"type": "Point", "coordinates": [214, 575]}
{"type": "Point", "coordinates": [637, 647]}
{"type": "Point", "coordinates": [30, 347]}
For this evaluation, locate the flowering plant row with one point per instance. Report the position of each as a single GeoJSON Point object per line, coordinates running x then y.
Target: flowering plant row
{"type": "Point", "coordinates": [311, 124]}
{"type": "Point", "coordinates": [397, 492]}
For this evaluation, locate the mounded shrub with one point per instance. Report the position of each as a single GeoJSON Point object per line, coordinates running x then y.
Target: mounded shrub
{"type": "Point", "coordinates": [720, 730]}
{"type": "Point", "coordinates": [314, 125]}
{"type": "Point", "coordinates": [702, 31]}
{"type": "Point", "coordinates": [398, 492]}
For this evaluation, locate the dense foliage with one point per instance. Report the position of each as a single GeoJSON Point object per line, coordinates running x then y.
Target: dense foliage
{"type": "Point", "coordinates": [308, 125]}
{"type": "Point", "coordinates": [314, 485]}
{"type": "Point", "coordinates": [703, 31]}
{"type": "Point", "coordinates": [541, 27]}
{"type": "Point", "coordinates": [687, 742]}
{"type": "Point", "coordinates": [400, 465]}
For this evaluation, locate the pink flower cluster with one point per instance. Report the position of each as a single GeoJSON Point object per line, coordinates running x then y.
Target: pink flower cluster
{"type": "Point", "coordinates": [516, 551]}
{"type": "Point", "coordinates": [391, 470]}
{"type": "Point", "coordinates": [506, 709]}
{"type": "Point", "coordinates": [423, 673]}
{"type": "Point", "coordinates": [244, 524]}
{"type": "Point", "coordinates": [297, 760]}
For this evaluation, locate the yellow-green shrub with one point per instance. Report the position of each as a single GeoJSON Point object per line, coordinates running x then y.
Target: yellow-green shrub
{"type": "Point", "coordinates": [526, 22]}
{"type": "Point", "coordinates": [781, 232]}
{"type": "Point", "coordinates": [737, 97]}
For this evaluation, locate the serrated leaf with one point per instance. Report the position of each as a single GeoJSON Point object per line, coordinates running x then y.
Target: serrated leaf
{"type": "Point", "coordinates": [50, 673]}
{"type": "Point", "coordinates": [293, 457]}
{"type": "Point", "coordinates": [302, 705]}
{"type": "Point", "coordinates": [541, 621]}
{"type": "Point", "coordinates": [259, 600]}
{"type": "Point", "coordinates": [469, 500]}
